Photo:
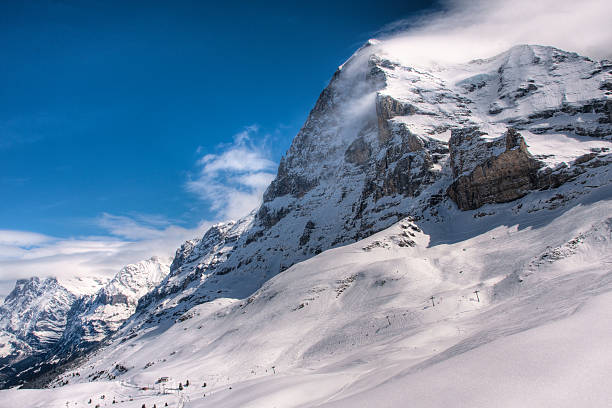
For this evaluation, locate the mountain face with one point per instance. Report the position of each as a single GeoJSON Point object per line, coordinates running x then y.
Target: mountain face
{"type": "Point", "coordinates": [36, 311]}
{"type": "Point", "coordinates": [387, 140]}
{"type": "Point", "coordinates": [32, 320]}
{"type": "Point", "coordinates": [96, 317]}
{"type": "Point", "coordinates": [405, 167]}
{"type": "Point", "coordinates": [42, 318]}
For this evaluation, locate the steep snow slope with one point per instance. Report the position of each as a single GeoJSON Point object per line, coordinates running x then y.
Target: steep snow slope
{"type": "Point", "coordinates": [82, 286]}
{"type": "Point", "coordinates": [356, 326]}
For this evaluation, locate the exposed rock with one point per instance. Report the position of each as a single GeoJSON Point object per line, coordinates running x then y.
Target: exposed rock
{"type": "Point", "coordinates": [585, 158]}
{"type": "Point", "coordinates": [308, 228]}
{"type": "Point", "coordinates": [410, 141]}
{"type": "Point", "coordinates": [498, 179]}
{"type": "Point", "coordinates": [358, 152]}
{"type": "Point", "coordinates": [468, 149]}
{"type": "Point", "coordinates": [288, 183]}
{"type": "Point", "coordinates": [386, 108]}
{"type": "Point", "coordinates": [269, 217]}
{"type": "Point", "coordinates": [495, 108]}
{"type": "Point", "coordinates": [409, 175]}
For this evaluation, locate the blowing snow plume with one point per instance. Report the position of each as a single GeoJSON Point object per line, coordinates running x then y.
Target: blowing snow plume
{"type": "Point", "coordinates": [472, 29]}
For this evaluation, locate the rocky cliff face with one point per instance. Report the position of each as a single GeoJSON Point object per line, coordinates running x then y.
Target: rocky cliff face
{"type": "Point", "coordinates": [502, 169]}
{"type": "Point", "coordinates": [497, 179]}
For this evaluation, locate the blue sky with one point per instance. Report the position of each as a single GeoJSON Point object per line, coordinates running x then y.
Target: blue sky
{"type": "Point", "coordinates": [108, 106]}
{"type": "Point", "coordinates": [127, 127]}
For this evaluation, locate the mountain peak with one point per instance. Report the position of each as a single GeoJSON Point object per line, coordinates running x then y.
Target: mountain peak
{"type": "Point", "coordinates": [35, 311]}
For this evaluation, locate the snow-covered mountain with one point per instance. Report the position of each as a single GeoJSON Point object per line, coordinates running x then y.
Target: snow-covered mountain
{"type": "Point", "coordinates": [95, 317]}
{"type": "Point", "coordinates": [36, 311]}
{"type": "Point", "coordinates": [388, 140]}
{"type": "Point", "coordinates": [43, 318]}
{"type": "Point", "coordinates": [357, 325]}
{"type": "Point", "coordinates": [422, 213]}
{"type": "Point", "coordinates": [32, 320]}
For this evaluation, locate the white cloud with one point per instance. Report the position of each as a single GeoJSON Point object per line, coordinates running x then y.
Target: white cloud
{"type": "Point", "coordinates": [234, 180]}
{"type": "Point", "coordinates": [26, 254]}
{"type": "Point", "coordinates": [469, 29]}
{"type": "Point", "coordinates": [259, 180]}
{"type": "Point", "coordinates": [238, 158]}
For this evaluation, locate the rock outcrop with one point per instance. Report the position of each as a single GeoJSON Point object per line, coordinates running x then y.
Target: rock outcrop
{"type": "Point", "coordinates": [501, 177]}
{"type": "Point", "coordinates": [499, 170]}
{"type": "Point", "coordinates": [388, 108]}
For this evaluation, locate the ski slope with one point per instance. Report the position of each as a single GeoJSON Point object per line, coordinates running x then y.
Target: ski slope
{"type": "Point", "coordinates": [356, 326]}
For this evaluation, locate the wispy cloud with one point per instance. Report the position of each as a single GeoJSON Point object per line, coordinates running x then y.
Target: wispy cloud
{"type": "Point", "coordinates": [233, 180]}
{"type": "Point", "coordinates": [21, 238]}
{"type": "Point", "coordinates": [469, 29]}
{"type": "Point", "coordinates": [138, 228]}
